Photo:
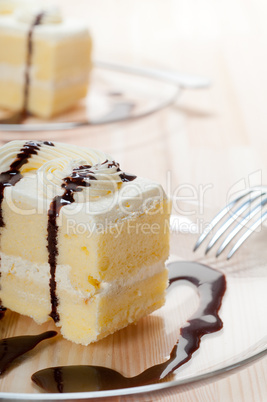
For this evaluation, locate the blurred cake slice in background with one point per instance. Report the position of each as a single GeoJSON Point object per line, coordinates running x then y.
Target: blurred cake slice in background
{"type": "Point", "coordinates": [9, 6]}
{"type": "Point", "coordinates": [44, 61]}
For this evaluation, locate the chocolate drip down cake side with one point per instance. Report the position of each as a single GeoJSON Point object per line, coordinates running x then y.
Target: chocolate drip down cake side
{"type": "Point", "coordinates": [82, 242]}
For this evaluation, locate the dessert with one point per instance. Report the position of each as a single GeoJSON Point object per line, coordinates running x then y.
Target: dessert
{"type": "Point", "coordinates": [9, 6]}
{"type": "Point", "coordinates": [82, 242]}
{"type": "Point", "coordinates": [211, 285]}
{"type": "Point", "coordinates": [44, 61]}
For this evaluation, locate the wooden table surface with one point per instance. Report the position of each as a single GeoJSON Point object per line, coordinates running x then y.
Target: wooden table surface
{"type": "Point", "coordinates": [213, 139]}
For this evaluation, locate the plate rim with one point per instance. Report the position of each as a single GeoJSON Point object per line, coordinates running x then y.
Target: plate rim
{"type": "Point", "coordinates": [240, 364]}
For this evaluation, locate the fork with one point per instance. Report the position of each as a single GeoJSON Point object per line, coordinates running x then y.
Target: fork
{"type": "Point", "coordinates": [246, 207]}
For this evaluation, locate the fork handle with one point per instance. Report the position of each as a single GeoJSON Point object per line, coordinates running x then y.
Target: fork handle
{"type": "Point", "coordinates": [185, 81]}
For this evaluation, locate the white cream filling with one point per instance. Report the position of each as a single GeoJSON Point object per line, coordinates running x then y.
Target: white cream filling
{"type": "Point", "coordinates": [78, 79]}
{"type": "Point", "coordinates": [9, 72]}
{"type": "Point", "coordinates": [40, 274]}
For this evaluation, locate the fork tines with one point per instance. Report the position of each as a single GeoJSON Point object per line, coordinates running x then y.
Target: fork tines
{"type": "Point", "coordinates": [246, 210]}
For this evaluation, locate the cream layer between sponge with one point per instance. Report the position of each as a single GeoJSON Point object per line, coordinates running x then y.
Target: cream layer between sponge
{"type": "Point", "coordinates": [85, 316]}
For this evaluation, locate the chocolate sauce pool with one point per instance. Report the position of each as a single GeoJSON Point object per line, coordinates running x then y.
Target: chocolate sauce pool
{"type": "Point", "coordinates": [11, 348]}
{"type": "Point", "coordinates": [211, 286]}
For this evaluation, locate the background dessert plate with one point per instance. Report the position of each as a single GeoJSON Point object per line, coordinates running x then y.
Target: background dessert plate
{"type": "Point", "coordinates": [137, 347]}
{"type": "Point", "coordinates": [113, 96]}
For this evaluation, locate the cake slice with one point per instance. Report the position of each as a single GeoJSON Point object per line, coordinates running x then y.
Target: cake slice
{"type": "Point", "coordinates": [9, 6]}
{"type": "Point", "coordinates": [82, 242]}
{"type": "Point", "coordinates": [45, 61]}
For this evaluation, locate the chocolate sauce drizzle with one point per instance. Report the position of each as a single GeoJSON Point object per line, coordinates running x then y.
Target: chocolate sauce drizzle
{"type": "Point", "coordinates": [211, 286]}
{"type": "Point", "coordinates": [72, 184]}
{"type": "Point", "coordinates": [11, 348]}
{"type": "Point", "coordinates": [124, 176]}
{"type": "Point", "coordinates": [12, 176]}
{"type": "Point", "coordinates": [2, 309]}
{"type": "Point", "coordinates": [37, 21]}
{"type": "Point", "coordinates": [20, 116]}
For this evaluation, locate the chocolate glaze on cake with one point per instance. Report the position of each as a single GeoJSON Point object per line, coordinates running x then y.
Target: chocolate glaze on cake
{"type": "Point", "coordinates": [71, 185]}
{"type": "Point", "coordinates": [12, 176]}
{"type": "Point", "coordinates": [124, 176]}
{"type": "Point", "coordinates": [20, 116]}
{"type": "Point", "coordinates": [37, 21]}
{"type": "Point", "coordinates": [211, 286]}
{"type": "Point", "coordinates": [79, 178]}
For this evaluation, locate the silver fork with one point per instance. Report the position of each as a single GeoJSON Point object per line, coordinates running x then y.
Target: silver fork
{"type": "Point", "coordinates": [246, 207]}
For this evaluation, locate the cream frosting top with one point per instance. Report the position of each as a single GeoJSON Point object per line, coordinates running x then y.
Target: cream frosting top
{"type": "Point", "coordinates": [27, 15]}
{"type": "Point", "coordinates": [9, 6]}
{"type": "Point", "coordinates": [52, 27]}
{"type": "Point", "coordinates": [107, 198]}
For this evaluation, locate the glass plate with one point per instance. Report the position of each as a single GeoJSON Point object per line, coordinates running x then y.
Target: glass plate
{"type": "Point", "coordinates": [114, 96]}
{"type": "Point", "coordinates": [133, 349]}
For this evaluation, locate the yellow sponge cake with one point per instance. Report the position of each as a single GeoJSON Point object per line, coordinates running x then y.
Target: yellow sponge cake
{"type": "Point", "coordinates": [44, 61]}
{"type": "Point", "coordinates": [82, 242]}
